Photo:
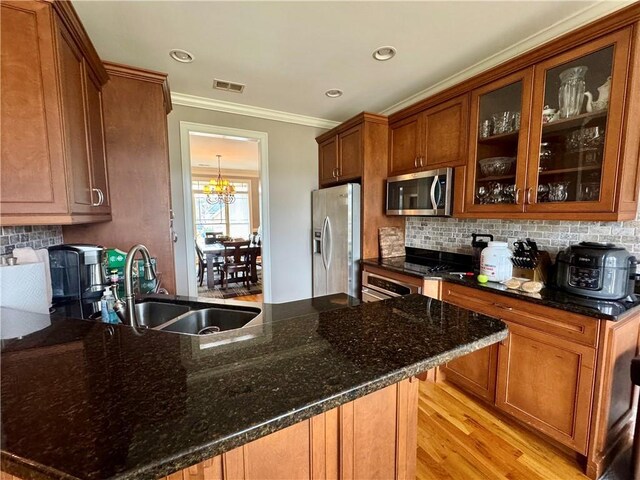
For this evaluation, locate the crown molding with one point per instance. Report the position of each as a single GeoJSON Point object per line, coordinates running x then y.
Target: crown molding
{"type": "Point", "coordinates": [578, 19]}
{"type": "Point", "coordinates": [249, 111]}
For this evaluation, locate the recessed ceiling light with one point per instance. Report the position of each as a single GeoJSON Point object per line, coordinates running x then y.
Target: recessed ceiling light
{"type": "Point", "coordinates": [384, 53]}
{"type": "Point", "coordinates": [333, 93]}
{"type": "Point", "coordinates": [181, 56]}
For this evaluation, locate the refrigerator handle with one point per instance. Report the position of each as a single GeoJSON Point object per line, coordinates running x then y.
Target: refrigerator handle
{"type": "Point", "coordinates": [322, 241]}
{"type": "Point", "coordinates": [328, 264]}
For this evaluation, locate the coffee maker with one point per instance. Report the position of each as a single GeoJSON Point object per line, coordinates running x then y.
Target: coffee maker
{"type": "Point", "coordinates": [77, 272]}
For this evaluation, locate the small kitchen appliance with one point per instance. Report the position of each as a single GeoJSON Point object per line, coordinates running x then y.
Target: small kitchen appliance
{"type": "Point", "coordinates": [423, 194]}
{"type": "Point", "coordinates": [596, 270]}
{"type": "Point", "coordinates": [76, 272]}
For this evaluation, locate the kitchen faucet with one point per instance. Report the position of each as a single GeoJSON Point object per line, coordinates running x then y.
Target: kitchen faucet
{"type": "Point", "coordinates": [129, 299]}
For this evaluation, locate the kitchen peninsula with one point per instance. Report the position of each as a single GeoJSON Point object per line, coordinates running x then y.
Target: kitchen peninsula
{"type": "Point", "coordinates": [319, 387]}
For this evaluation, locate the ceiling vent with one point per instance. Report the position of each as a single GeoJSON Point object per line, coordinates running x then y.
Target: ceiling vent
{"type": "Point", "coordinates": [228, 86]}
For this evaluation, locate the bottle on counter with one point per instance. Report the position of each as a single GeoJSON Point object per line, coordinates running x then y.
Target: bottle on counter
{"type": "Point", "coordinates": [495, 262]}
{"type": "Point", "coordinates": [107, 303]}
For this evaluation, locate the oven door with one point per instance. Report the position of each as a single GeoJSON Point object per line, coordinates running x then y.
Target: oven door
{"type": "Point", "coordinates": [377, 287]}
{"type": "Point", "coordinates": [424, 193]}
{"type": "Point", "coordinates": [371, 295]}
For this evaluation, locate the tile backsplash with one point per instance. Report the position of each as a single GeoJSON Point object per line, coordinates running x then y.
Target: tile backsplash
{"type": "Point", "coordinates": [37, 236]}
{"type": "Point", "coordinates": [454, 235]}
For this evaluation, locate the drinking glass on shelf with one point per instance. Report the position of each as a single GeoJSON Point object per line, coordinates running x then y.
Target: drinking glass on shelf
{"type": "Point", "coordinates": [485, 129]}
{"type": "Point", "coordinates": [516, 121]}
{"type": "Point", "coordinates": [559, 191]}
{"type": "Point", "coordinates": [482, 194]}
{"type": "Point", "coordinates": [502, 122]}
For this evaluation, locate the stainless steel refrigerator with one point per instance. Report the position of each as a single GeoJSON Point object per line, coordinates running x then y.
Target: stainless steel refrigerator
{"type": "Point", "coordinates": [336, 240]}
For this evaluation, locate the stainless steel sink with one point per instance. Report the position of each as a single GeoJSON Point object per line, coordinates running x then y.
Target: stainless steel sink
{"type": "Point", "coordinates": [210, 320]}
{"type": "Point", "coordinates": [154, 314]}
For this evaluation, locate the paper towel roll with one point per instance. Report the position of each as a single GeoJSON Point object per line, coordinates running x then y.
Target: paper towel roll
{"type": "Point", "coordinates": [29, 255]}
{"type": "Point", "coordinates": [25, 287]}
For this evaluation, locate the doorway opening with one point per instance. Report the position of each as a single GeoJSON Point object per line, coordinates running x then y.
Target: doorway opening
{"type": "Point", "coordinates": [226, 236]}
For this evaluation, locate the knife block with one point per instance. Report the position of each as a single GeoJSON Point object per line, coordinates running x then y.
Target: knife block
{"type": "Point", "coordinates": [539, 273]}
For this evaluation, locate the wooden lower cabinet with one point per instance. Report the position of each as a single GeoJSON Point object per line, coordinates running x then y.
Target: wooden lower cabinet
{"type": "Point", "coordinates": [373, 437]}
{"type": "Point", "coordinates": [561, 374]}
{"type": "Point", "coordinates": [476, 372]}
{"type": "Point", "coordinates": [547, 383]}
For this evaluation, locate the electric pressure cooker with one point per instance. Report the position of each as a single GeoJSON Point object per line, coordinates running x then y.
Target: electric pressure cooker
{"type": "Point", "coordinates": [596, 270]}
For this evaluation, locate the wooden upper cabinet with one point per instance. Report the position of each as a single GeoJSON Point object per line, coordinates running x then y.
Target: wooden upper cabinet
{"type": "Point", "coordinates": [405, 146]}
{"type": "Point", "coordinates": [32, 168]}
{"type": "Point", "coordinates": [96, 136]}
{"type": "Point", "coordinates": [74, 122]}
{"type": "Point", "coordinates": [547, 383]}
{"type": "Point", "coordinates": [53, 156]}
{"type": "Point", "coordinates": [343, 151]}
{"type": "Point", "coordinates": [497, 167]}
{"type": "Point", "coordinates": [434, 138]}
{"type": "Point", "coordinates": [574, 159]}
{"type": "Point", "coordinates": [446, 134]}
{"type": "Point", "coordinates": [328, 157]}
{"type": "Point", "coordinates": [350, 153]}
{"type": "Point", "coordinates": [567, 132]}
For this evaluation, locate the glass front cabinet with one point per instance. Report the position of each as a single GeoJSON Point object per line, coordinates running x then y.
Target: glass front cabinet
{"type": "Point", "coordinates": [547, 139]}
{"type": "Point", "coordinates": [498, 155]}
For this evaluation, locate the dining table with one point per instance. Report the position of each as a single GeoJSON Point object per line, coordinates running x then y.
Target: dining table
{"type": "Point", "coordinates": [214, 250]}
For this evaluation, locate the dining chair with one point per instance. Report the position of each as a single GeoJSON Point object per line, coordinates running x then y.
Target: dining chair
{"type": "Point", "coordinates": [202, 265]}
{"type": "Point", "coordinates": [237, 259]}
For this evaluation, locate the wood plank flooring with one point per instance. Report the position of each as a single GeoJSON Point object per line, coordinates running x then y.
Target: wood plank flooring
{"type": "Point", "coordinates": [250, 298]}
{"type": "Point", "coordinates": [459, 438]}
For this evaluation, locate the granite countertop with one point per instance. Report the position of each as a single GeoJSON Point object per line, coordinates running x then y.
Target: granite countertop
{"type": "Point", "coordinates": [82, 399]}
{"type": "Point", "coordinates": [550, 297]}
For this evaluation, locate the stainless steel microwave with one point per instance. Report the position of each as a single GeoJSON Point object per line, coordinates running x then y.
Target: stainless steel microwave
{"type": "Point", "coordinates": [421, 194]}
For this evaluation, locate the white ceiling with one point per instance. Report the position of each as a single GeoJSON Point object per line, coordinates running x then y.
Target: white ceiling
{"type": "Point", "coordinates": [289, 53]}
{"type": "Point", "coordinates": [236, 154]}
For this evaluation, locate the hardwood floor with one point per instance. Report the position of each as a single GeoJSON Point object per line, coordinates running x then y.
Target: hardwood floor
{"type": "Point", "coordinates": [460, 438]}
{"type": "Point", "coordinates": [250, 298]}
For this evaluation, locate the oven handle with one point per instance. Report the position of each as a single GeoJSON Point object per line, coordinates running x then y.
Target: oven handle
{"type": "Point", "coordinates": [372, 293]}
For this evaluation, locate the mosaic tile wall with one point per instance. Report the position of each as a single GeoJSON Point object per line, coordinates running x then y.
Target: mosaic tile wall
{"type": "Point", "coordinates": [454, 235]}
{"type": "Point", "coordinates": [39, 236]}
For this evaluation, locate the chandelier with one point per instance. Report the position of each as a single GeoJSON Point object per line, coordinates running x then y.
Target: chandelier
{"type": "Point", "coordinates": [220, 190]}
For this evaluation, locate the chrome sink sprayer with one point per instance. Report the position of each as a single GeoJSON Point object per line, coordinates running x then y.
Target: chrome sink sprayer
{"type": "Point", "coordinates": [129, 298]}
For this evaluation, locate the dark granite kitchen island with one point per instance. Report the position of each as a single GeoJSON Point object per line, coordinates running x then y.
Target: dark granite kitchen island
{"type": "Point", "coordinates": [82, 399]}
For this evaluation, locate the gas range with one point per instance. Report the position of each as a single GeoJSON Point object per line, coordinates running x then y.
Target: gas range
{"type": "Point", "coordinates": [423, 263]}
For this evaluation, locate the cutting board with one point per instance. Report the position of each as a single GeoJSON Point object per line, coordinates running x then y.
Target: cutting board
{"type": "Point", "coordinates": [391, 242]}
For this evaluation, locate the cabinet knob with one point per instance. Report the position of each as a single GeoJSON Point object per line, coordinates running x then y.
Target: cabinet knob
{"type": "Point", "coordinates": [517, 196]}
{"type": "Point", "coordinates": [415, 162]}
{"type": "Point", "coordinates": [421, 161]}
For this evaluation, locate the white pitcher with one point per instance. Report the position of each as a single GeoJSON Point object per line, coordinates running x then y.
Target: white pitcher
{"type": "Point", "coordinates": [603, 97]}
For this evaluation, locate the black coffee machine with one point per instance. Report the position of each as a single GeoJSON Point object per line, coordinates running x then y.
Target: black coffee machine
{"type": "Point", "coordinates": [77, 272]}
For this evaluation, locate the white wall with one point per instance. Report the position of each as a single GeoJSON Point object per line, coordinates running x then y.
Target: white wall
{"type": "Point", "coordinates": [293, 174]}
